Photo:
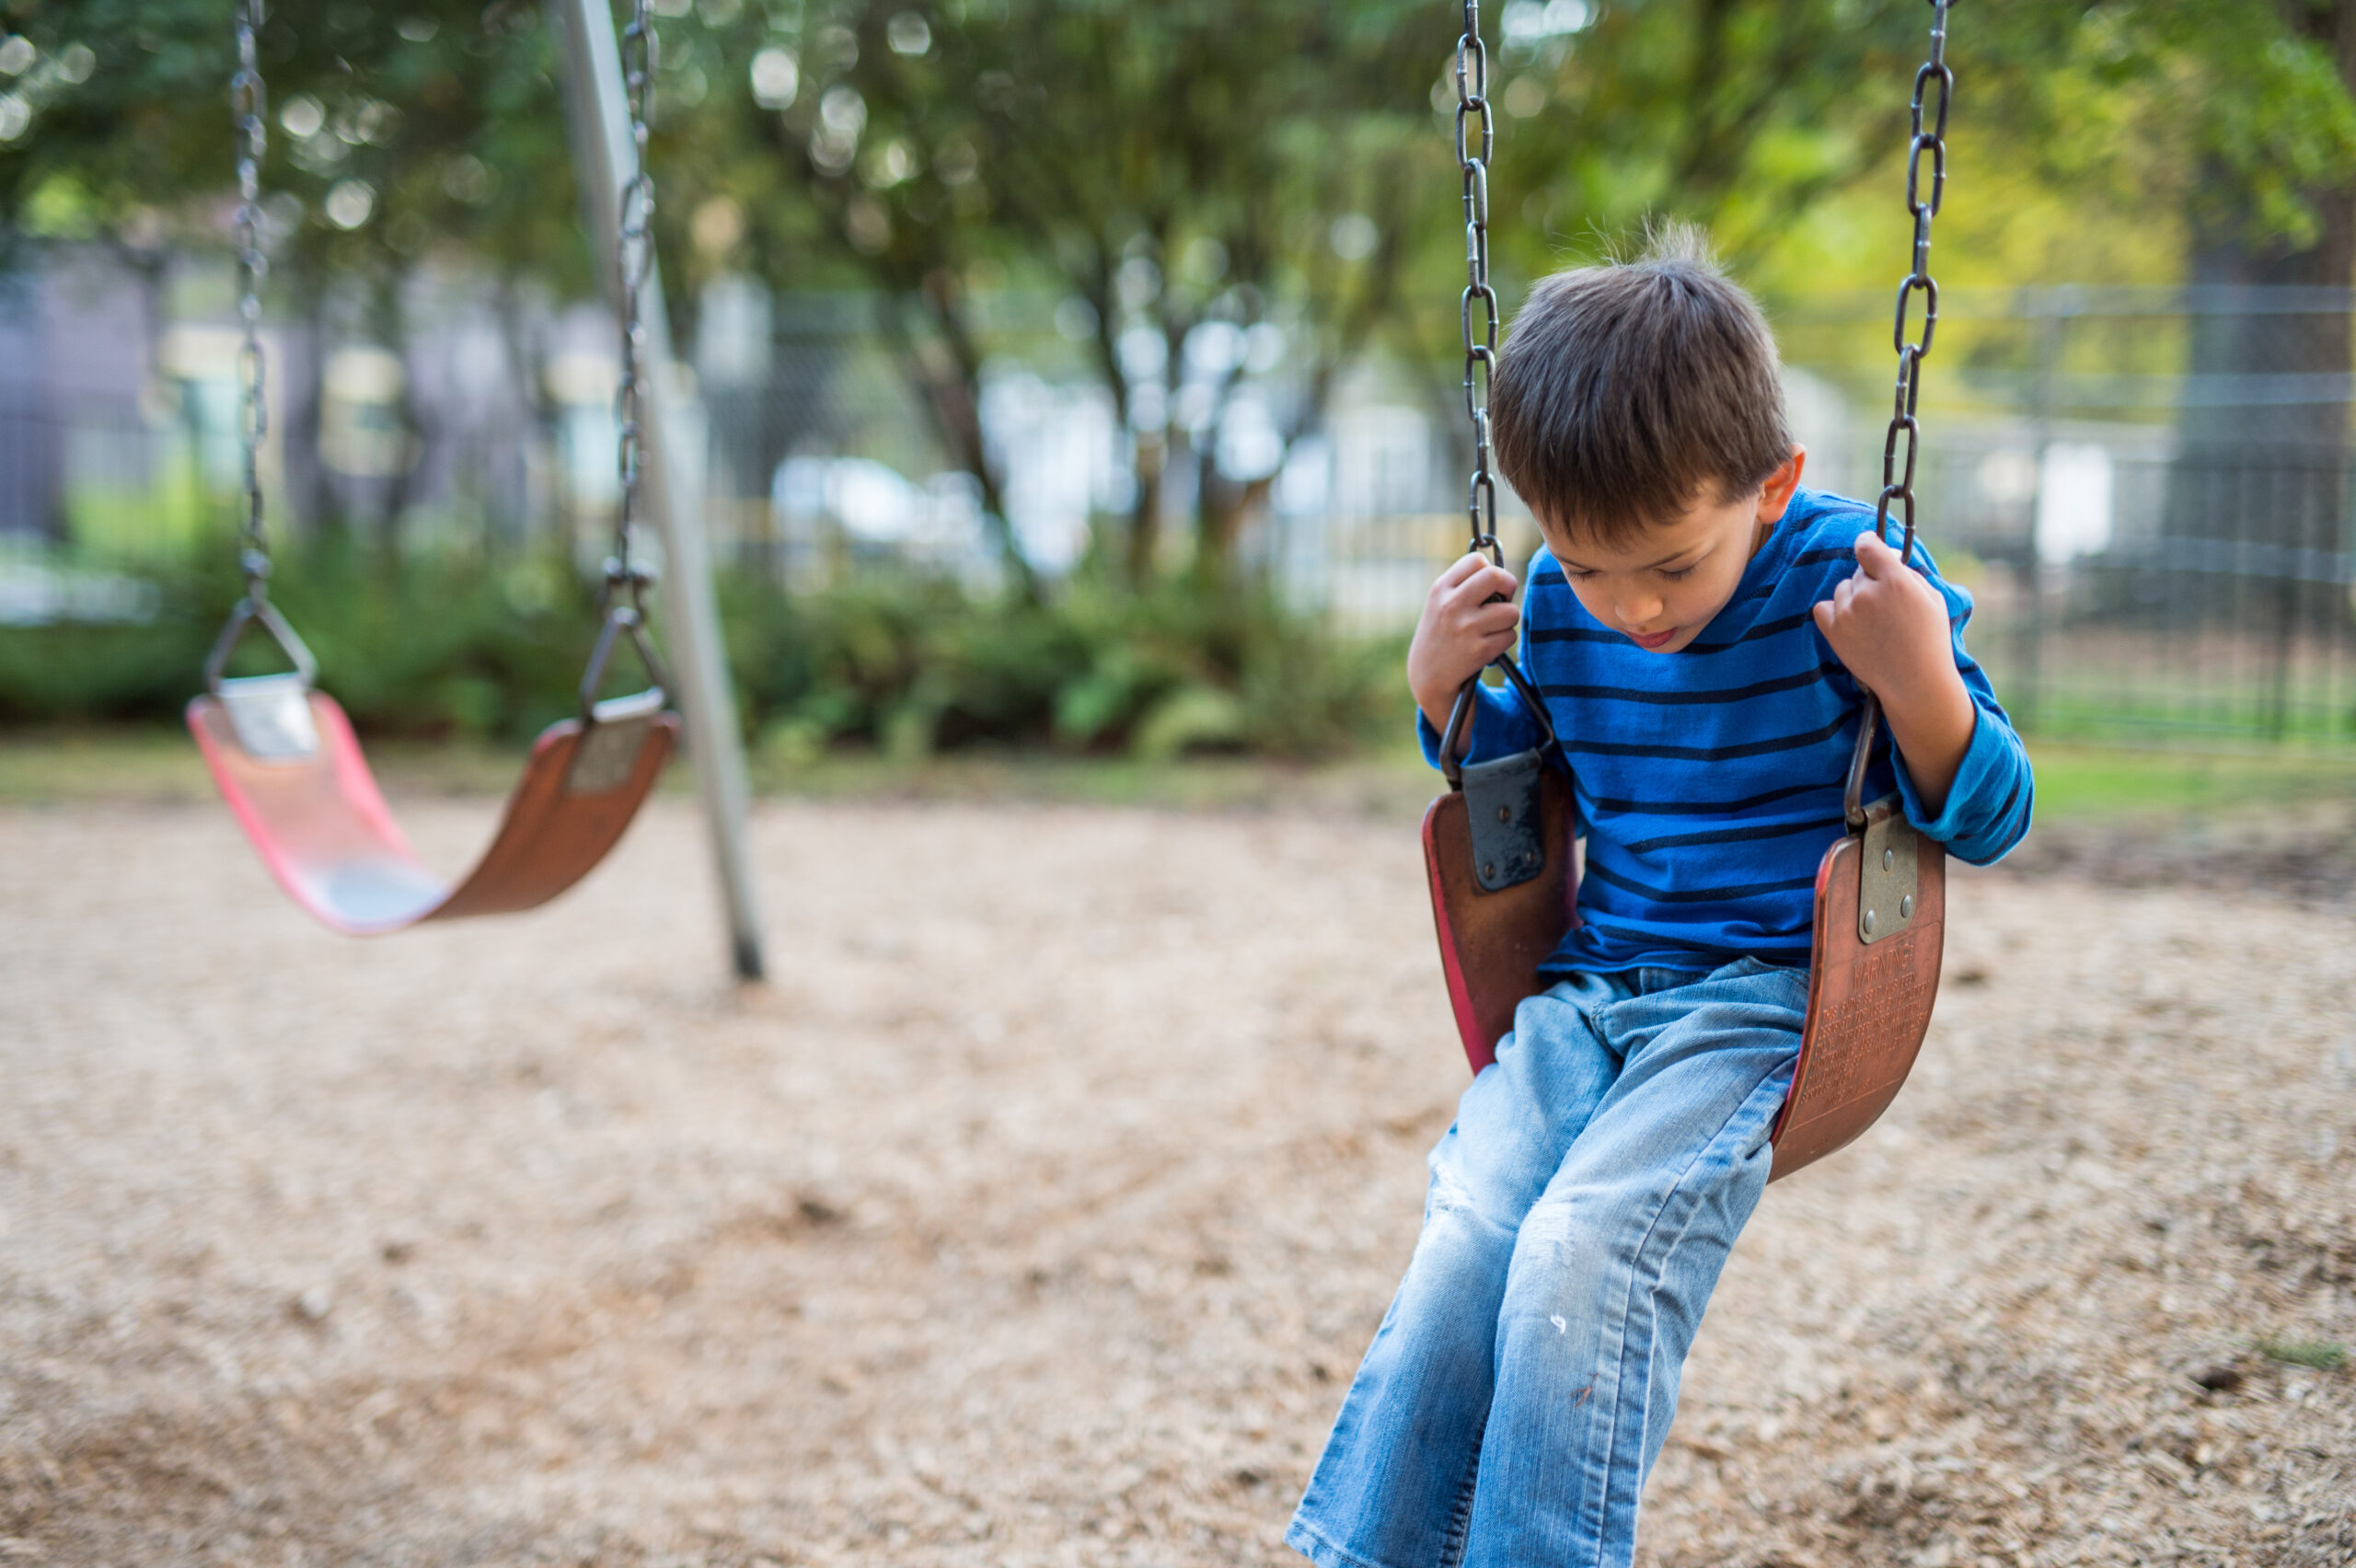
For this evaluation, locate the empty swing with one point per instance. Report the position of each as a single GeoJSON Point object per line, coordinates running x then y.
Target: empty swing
{"type": "Point", "coordinates": [1498, 847]}
{"type": "Point", "coordinates": [282, 752]}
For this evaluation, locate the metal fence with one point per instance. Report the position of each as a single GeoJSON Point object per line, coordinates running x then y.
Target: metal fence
{"type": "Point", "coordinates": [2149, 493]}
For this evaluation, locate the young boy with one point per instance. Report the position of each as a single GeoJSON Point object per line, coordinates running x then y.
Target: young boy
{"type": "Point", "coordinates": [1704, 630]}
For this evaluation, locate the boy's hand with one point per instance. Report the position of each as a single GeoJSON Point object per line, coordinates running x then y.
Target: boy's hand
{"type": "Point", "coordinates": [1459, 632]}
{"type": "Point", "coordinates": [1890, 627]}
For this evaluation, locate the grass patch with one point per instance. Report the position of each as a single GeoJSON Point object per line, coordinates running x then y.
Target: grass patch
{"type": "Point", "coordinates": [2322, 1355]}
{"type": "Point", "coordinates": [1394, 784]}
{"type": "Point", "coordinates": [2078, 782]}
{"type": "Point", "coordinates": [157, 763]}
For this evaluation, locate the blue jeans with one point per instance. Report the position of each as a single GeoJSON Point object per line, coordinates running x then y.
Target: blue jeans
{"type": "Point", "coordinates": [1580, 1209]}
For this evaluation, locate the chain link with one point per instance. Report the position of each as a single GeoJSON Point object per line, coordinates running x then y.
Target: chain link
{"type": "Point", "coordinates": [1929, 135]}
{"type": "Point", "coordinates": [635, 258]}
{"type": "Point", "coordinates": [249, 106]}
{"type": "Point", "coordinates": [1472, 66]}
{"type": "Point", "coordinates": [1476, 130]}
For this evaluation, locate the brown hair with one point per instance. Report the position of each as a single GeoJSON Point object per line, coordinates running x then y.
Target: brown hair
{"type": "Point", "coordinates": [1627, 387]}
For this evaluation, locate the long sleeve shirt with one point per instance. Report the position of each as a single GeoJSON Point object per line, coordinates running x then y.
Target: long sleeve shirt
{"type": "Point", "coordinates": [1708, 781]}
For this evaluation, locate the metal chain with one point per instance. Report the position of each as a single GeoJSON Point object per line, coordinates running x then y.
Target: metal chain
{"type": "Point", "coordinates": [1929, 136]}
{"type": "Point", "coordinates": [1472, 66]}
{"type": "Point", "coordinates": [1481, 346]}
{"type": "Point", "coordinates": [636, 257]}
{"type": "Point", "coordinates": [248, 104]}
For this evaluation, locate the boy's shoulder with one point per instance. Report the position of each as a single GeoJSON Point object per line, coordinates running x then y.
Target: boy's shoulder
{"type": "Point", "coordinates": [1815, 545]}
{"type": "Point", "coordinates": [1820, 536]}
{"type": "Point", "coordinates": [1816, 520]}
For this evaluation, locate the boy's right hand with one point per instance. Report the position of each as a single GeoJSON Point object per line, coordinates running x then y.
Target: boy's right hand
{"type": "Point", "coordinates": [1460, 633]}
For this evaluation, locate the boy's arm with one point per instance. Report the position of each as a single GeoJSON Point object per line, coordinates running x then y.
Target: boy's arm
{"type": "Point", "coordinates": [1968, 771]}
{"type": "Point", "coordinates": [1459, 632]}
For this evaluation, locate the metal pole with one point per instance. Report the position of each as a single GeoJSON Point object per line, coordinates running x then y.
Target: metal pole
{"type": "Point", "coordinates": [601, 142]}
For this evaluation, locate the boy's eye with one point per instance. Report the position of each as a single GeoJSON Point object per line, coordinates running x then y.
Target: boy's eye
{"type": "Point", "coordinates": [1679, 575]}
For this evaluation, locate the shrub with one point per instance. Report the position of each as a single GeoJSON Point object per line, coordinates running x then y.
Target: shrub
{"type": "Point", "coordinates": [905, 661]}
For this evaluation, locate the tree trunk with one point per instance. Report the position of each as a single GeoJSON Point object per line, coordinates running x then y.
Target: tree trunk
{"type": "Point", "coordinates": [2262, 442]}
{"type": "Point", "coordinates": [952, 393]}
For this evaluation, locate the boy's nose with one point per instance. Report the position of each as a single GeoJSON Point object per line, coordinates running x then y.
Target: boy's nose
{"type": "Point", "coordinates": [1635, 609]}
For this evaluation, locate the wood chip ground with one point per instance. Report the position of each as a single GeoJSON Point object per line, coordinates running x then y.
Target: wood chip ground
{"type": "Point", "coordinates": [1037, 1212]}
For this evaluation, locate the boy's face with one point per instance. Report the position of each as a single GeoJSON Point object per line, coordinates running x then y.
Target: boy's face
{"type": "Point", "coordinates": [1661, 590]}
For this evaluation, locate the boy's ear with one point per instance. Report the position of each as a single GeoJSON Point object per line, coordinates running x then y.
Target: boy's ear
{"type": "Point", "coordinates": [1775, 492]}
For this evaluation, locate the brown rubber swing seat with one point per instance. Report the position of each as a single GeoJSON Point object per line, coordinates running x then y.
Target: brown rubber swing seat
{"type": "Point", "coordinates": [292, 771]}
{"type": "Point", "coordinates": [1869, 996]}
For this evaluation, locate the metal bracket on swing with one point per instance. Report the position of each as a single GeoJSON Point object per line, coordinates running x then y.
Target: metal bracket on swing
{"type": "Point", "coordinates": [1501, 809]}
{"type": "Point", "coordinates": [270, 715]}
{"type": "Point", "coordinates": [1501, 797]}
{"type": "Point", "coordinates": [1889, 879]}
{"type": "Point", "coordinates": [613, 731]}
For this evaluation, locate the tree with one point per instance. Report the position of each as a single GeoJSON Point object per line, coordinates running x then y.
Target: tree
{"type": "Point", "coordinates": [396, 137]}
{"type": "Point", "coordinates": [1176, 172]}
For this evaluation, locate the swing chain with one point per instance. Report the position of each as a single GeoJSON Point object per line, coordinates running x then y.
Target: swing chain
{"type": "Point", "coordinates": [248, 104]}
{"type": "Point", "coordinates": [1471, 69]}
{"type": "Point", "coordinates": [635, 258]}
{"type": "Point", "coordinates": [1929, 118]}
{"type": "Point", "coordinates": [1473, 147]}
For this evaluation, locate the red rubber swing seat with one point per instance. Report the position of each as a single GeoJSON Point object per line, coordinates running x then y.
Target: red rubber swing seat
{"type": "Point", "coordinates": [1873, 976]}
{"type": "Point", "coordinates": [284, 755]}
{"type": "Point", "coordinates": [293, 774]}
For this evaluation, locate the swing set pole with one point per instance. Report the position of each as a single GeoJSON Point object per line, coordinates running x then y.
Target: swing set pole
{"type": "Point", "coordinates": [603, 153]}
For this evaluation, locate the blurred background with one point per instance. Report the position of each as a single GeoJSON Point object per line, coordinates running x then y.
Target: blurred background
{"type": "Point", "coordinates": [1075, 391]}
{"type": "Point", "coordinates": [1083, 377]}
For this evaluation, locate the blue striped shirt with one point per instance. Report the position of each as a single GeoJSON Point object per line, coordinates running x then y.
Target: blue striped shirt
{"type": "Point", "coordinates": [1708, 781]}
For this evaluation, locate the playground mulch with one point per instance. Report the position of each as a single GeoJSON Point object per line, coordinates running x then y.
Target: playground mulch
{"type": "Point", "coordinates": [1037, 1211]}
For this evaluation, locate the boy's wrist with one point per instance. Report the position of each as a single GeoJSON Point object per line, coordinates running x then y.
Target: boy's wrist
{"type": "Point", "coordinates": [1435, 694]}
{"type": "Point", "coordinates": [1438, 707]}
{"type": "Point", "coordinates": [1932, 726]}
{"type": "Point", "coordinates": [1928, 692]}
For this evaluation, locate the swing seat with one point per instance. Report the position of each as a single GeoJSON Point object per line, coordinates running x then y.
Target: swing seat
{"type": "Point", "coordinates": [1869, 995]}
{"type": "Point", "coordinates": [1869, 991]}
{"type": "Point", "coordinates": [287, 763]}
{"type": "Point", "coordinates": [1491, 943]}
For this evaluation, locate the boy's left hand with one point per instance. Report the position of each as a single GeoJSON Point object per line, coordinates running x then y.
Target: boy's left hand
{"type": "Point", "coordinates": [1890, 627]}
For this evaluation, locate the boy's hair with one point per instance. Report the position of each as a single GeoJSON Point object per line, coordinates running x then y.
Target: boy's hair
{"type": "Point", "coordinates": [1627, 387]}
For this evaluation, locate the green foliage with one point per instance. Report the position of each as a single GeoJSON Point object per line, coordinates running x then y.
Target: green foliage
{"type": "Point", "coordinates": [2323, 1355]}
{"type": "Point", "coordinates": [428, 648]}
{"type": "Point", "coordinates": [1048, 135]}
{"type": "Point", "coordinates": [1157, 166]}
{"type": "Point", "coordinates": [445, 112]}
{"type": "Point", "coordinates": [906, 664]}
{"type": "Point", "coordinates": [911, 664]}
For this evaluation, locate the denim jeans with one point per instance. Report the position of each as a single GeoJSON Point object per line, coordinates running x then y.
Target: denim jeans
{"type": "Point", "coordinates": [1579, 1211]}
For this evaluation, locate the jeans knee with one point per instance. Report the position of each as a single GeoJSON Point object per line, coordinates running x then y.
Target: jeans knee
{"type": "Point", "coordinates": [1565, 1257]}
